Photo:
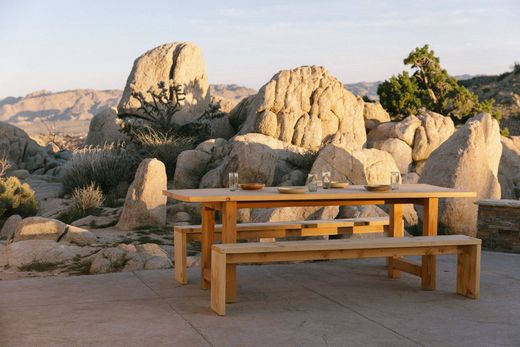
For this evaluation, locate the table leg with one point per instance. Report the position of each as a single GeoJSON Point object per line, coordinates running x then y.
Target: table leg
{"type": "Point", "coordinates": [430, 219]}
{"type": "Point", "coordinates": [208, 229]}
{"type": "Point", "coordinates": [229, 235]}
{"type": "Point", "coordinates": [395, 229]}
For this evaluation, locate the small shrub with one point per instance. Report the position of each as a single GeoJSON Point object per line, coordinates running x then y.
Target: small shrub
{"type": "Point", "coordinates": [16, 198]}
{"type": "Point", "coordinates": [304, 160]}
{"type": "Point", "coordinates": [111, 168]}
{"type": "Point", "coordinates": [165, 147]}
{"type": "Point", "coordinates": [504, 132]}
{"type": "Point", "coordinates": [4, 165]}
{"type": "Point", "coordinates": [88, 198]}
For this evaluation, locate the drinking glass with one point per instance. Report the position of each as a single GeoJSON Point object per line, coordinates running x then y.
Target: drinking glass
{"type": "Point", "coordinates": [233, 181]}
{"type": "Point", "coordinates": [325, 177]}
{"type": "Point", "coordinates": [395, 179]}
{"type": "Point", "coordinates": [312, 183]}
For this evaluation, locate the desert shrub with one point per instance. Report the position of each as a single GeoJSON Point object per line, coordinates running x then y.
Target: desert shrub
{"type": "Point", "coordinates": [165, 147]}
{"type": "Point", "coordinates": [111, 168]}
{"type": "Point", "coordinates": [16, 198]}
{"type": "Point", "coordinates": [304, 160]}
{"type": "Point", "coordinates": [4, 164]}
{"type": "Point", "coordinates": [87, 198]}
{"type": "Point", "coordinates": [504, 132]}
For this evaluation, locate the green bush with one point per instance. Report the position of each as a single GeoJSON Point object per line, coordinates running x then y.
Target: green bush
{"type": "Point", "coordinates": [431, 87]}
{"type": "Point", "coordinates": [16, 198]}
{"type": "Point", "coordinates": [111, 168]}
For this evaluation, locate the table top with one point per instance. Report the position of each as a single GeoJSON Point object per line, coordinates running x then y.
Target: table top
{"type": "Point", "coordinates": [354, 192]}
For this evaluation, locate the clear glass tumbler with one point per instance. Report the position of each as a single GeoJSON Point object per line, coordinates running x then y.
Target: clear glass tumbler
{"type": "Point", "coordinates": [395, 179]}
{"type": "Point", "coordinates": [233, 181]}
{"type": "Point", "coordinates": [312, 183]}
{"type": "Point", "coordinates": [325, 177]}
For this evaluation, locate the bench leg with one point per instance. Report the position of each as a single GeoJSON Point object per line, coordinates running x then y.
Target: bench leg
{"type": "Point", "coordinates": [468, 271]}
{"type": "Point", "coordinates": [229, 235]}
{"type": "Point", "coordinates": [429, 262]}
{"type": "Point", "coordinates": [395, 229]}
{"type": "Point", "coordinates": [218, 283]}
{"type": "Point", "coordinates": [179, 255]}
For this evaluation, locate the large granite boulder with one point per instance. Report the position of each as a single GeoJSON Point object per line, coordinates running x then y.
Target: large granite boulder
{"type": "Point", "coordinates": [10, 226]}
{"type": "Point", "coordinates": [509, 169]}
{"type": "Point", "coordinates": [23, 152]}
{"type": "Point", "coordinates": [256, 158]}
{"type": "Point", "coordinates": [145, 204]}
{"type": "Point", "coordinates": [468, 160]}
{"type": "Point", "coordinates": [305, 107]}
{"type": "Point", "coordinates": [374, 114]}
{"type": "Point", "coordinates": [361, 166]}
{"type": "Point", "coordinates": [191, 166]}
{"type": "Point", "coordinates": [105, 128]}
{"type": "Point", "coordinates": [179, 62]}
{"type": "Point", "coordinates": [400, 151]}
{"type": "Point", "coordinates": [433, 131]}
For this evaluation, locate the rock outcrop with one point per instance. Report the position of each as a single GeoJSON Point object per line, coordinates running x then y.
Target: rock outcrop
{"type": "Point", "coordinates": [509, 169]}
{"type": "Point", "coordinates": [305, 107]}
{"type": "Point", "coordinates": [105, 129]}
{"type": "Point", "coordinates": [361, 166]}
{"type": "Point", "coordinates": [25, 153]}
{"type": "Point", "coordinates": [468, 160]}
{"type": "Point", "coordinates": [145, 203]}
{"type": "Point", "coordinates": [374, 114]}
{"type": "Point", "coordinates": [179, 62]}
{"type": "Point", "coordinates": [39, 228]}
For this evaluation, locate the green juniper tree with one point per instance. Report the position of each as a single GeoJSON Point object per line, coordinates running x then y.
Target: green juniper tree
{"type": "Point", "coordinates": [431, 87]}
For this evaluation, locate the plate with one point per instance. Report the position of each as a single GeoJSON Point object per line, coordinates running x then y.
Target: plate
{"type": "Point", "coordinates": [251, 186]}
{"type": "Point", "coordinates": [291, 190]}
{"type": "Point", "coordinates": [377, 187]}
{"type": "Point", "coordinates": [336, 185]}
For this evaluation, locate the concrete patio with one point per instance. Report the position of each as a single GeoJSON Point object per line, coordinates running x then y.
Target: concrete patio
{"type": "Point", "coordinates": [324, 303]}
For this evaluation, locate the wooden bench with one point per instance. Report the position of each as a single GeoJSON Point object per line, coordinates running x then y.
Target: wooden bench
{"type": "Point", "coordinates": [183, 234]}
{"type": "Point", "coordinates": [466, 248]}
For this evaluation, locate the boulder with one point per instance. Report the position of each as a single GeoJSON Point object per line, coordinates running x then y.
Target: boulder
{"type": "Point", "coordinates": [43, 251]}
{"type": "Point", "coordinates": [362, 166]}
{"type": "Point", "coordinates": [79, 236]}
{"type": "Point", "coordinates": [20, 174]}
{"type": "Point", "coordinates": [256, 158]}
{"type": "Point", "coordinates": [380, 133]}
{"type": "Point", "coordinates": [374, 114]}
{"type": "Point", "coordinates": [95, 221]}
{"type": "Point", "coordinates": [405, 129]}
{"type": "Point", "coordinates": [306, 107]}
{"type": "Point", "coordinates": [105, 128]}
{"type": "Point", "coordinates": [433, 131]}
{"type": "Point", "coordinates": [281, 214]}
{"type": "Point", "coordinates": [468, 160]}
{"type": "Point", "coordinates": [22, 151]}
{"type": "Point", "coordinates": [145, 204]}
{"type": "Point", "coordinates": [509, 169]}
{"type": "Point", "coordinates": [362, 211]}
{"type": "Point", "coordinates": [179, 62]}
{"type": "Point", "coordinates": [10, 226]}
{"type": "Point", "coordinates": [191, 166]}
{"type": "Point", "coordinates": [39, 228]}
{"type": "Point", "coordinates": [400, 151]}
{"type": "Point", "coordinates": [130, 258]}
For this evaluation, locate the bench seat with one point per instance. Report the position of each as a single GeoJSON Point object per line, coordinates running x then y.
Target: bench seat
{"type": "Point", "coordinates": [467, 250]}
{"type": "Point", "coordinates": [184, 233]}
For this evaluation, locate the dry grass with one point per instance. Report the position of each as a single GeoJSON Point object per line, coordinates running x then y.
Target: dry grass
{"type": "Point", "coordinates": [87, 198]}
{"type": "Point", "coordinates": [4, 164]}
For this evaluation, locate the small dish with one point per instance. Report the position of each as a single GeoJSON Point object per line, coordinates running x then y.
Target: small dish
{"type": "Point", "coordinates": [336, 185]}
{"type": "Point", "coordinates": [377, 187]}
{"type": "Point", "coordinates": [291, 190]}
{"type": "Point", "coordinates": [251, 186]}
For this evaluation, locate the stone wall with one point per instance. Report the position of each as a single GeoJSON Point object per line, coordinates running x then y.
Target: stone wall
{"type": "Point", "coordinates": [499, 224]}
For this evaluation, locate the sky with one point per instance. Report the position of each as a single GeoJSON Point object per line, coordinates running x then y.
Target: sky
{"type": "Point", "coordinates": [60, 45]}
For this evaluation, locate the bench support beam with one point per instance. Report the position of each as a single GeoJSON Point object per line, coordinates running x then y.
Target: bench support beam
{"type": "Point", "coordinates": [429, 263]}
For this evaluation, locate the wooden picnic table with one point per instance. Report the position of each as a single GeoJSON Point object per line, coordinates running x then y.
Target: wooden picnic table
{"type": "Point", "coordinates": [226, 201]}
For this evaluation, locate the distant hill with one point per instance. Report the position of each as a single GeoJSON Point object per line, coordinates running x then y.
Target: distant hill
{"type": "Point", "coordinates": [504, 88]}
{"type": "Point", "coordinates": [231, 91]}
{"type": "Point", "coordinates": [70, 111]}
{"type": "Point", "coordinates": [368, 89]}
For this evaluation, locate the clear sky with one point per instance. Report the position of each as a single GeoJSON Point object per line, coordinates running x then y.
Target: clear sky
{"type": "Point", "coordinates": [60, 45]}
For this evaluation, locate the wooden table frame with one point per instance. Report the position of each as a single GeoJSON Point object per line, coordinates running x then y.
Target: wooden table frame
{"type": "Point", "coordinates": [228, 206]}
